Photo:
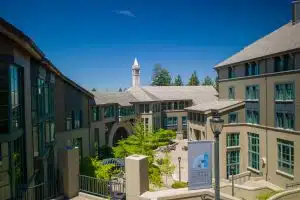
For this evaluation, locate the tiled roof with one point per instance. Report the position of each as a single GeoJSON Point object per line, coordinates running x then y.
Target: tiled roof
{"type": "Point", "coordinates": [219, 104]}
{"type": "Point", "coordinates": [197, 94]}
{"type": "Point", "coordinates": [121, 98]}
{"type": "Point", "coordinates": [283, 39]}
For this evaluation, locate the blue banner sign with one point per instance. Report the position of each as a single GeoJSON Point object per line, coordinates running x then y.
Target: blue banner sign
{"type": "Point", "coordinates": [200, 164]}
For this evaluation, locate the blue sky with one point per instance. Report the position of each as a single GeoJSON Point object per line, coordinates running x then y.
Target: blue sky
{"type": "Point", "coordinates": [94, 42]}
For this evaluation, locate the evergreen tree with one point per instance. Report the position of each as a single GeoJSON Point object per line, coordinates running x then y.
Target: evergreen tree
{"type": "Point", "coordinates": [208, 81]}
{"type": "Point", "coordinates": [94, 89]}
{"type": "Point", "coordinates": [193, 81]}
{"type": "Point", "coordinates": [178, 81]}
{"type": "Point", "coordinates": [120, 89]}
{"type": "Point", "coordinates": [160, 76]}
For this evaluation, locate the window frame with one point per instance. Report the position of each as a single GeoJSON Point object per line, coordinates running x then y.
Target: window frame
{"type": "Point", "coordinates": [232, 139]}
{"type": "Point", "coordinates": [253, 153]}
{"type": "Point", "coordinates": [280, 158]}
{"type": "Point", "coordinates": [231, 92]}
{"type": "Point", "coordinates": [229, 118]}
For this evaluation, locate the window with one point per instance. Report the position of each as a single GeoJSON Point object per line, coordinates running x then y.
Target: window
{"type": "Point", "coordinates": [184, 121]}
{"type": "Point", "coordinates": [163, 106]}
{"type": "Point", "coordinates": [77, 119]}
{"type": "Point", "coordinates": [69, 122]}
{"type": "Point", "coordinates": [232, 139]}
{"type": "Point", "coordinates": [284, 92]}
{"type": "Point", "coordinates": [198, 117]}
{"type": "Point", "coordinates": [252, 92]}
{"type": "Point", "coordinates": [232, 118]}
{"type": "Point", "coordinates": [95, 111]}
{"type": "Point", "coordinates": [284, 63]}
{"type": "Point", "coordinates": [285, 120]}
{"type": "Point", "coordinates": [16, 100]}
{"type": "Point", "coordinates": [233, 162]}
{"type": "Point", "coordinates": [170, 106]}
{"type": "Point", "coordinates": [175, 105]}
{"type": "Point", "coordinates": [170, 121]}
{"type": "Point", "coordinates": [147, 108]}
{"type": "Point", "coordinates": [181, 105]}
{"type": "Point", "coordinates": [109, 111]}
{"type": "Point", "coordinates": [231, 72]}
{"type": "Point", "coordinates": [231, 93]}
{"type": "Point", "coordinates": [252, 116]}
{"type": "Point", "coordinates": [252, 69]}
{"type": "Point", "coordinates": [285, 156]}
{"type": "Point", "coordinates": [253, 150]}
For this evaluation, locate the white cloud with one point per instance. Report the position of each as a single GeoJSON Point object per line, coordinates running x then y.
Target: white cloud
{"type": "Point", "coordinates": [127, 13]}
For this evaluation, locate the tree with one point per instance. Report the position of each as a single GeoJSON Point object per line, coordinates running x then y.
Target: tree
{"type": "Point", "coordinates": [94, 89]}
{"type": "Point", "coordinates": [120, 89]}
{"type": "Point", "coordinates": [193, 79]}
{"type": "Point", "coordinates": [144, 142]}
{"type": "Point", "coordinates": [178, 81]}
{"type": "Point", "coordinates": [166, 167]}
{"type": "Point", "coordinates": [208, 81]}
{"type": "Point", "coordinates": [160, 76]}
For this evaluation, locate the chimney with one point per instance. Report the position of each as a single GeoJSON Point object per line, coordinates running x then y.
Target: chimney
{"type": "Point", "coordinates": [296, 11]}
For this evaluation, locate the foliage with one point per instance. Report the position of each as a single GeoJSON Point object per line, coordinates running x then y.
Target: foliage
{"type": "Point", "coordinates": [178, 184]}
{"type": "Point", "coordinates": [166, 167]}
{"type": "Point", "coordinates": [208, 81]}
{"type": "Point", "coordinates": [265, 196]}
{"type": "Point", "coordinates": [160, 76]}
{"type": "Point", "coordinates": [178, 81]}
{"type": "Point", "coordinates": [94, 89]}
{"type": "Point", "coordinates": [105, 152]}
{"type": "Point", "coordinates": [144, 142]}
{"type": "Point", "coordinates": [193, 81]}
{"type": "Point", "coordinates": [93, 167]}
{"type": "Point", "coordinates": [120, 89]}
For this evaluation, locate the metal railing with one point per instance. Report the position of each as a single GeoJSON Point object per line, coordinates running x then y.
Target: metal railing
{"type": "Point", "coordinates": [102, 188]}
{"type": "Point", "coordinates": [292, 185]}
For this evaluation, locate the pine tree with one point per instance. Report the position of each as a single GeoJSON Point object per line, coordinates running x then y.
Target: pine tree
{"type": "Point", "coordinates": [160, 76]}
{"type": "Point", "coordinates": [193, 81]}
{"type": "Point", "coordinates": [178, 81]}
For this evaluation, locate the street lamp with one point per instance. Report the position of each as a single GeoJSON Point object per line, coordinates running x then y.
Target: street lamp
{"type": "Point", "coordinates": [179, 160]}
{"type": "Point", "coordinates": [232, 168]}
{"type": "Point", "coordinates": [216, 125]}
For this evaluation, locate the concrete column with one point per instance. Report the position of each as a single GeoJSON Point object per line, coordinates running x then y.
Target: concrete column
{"type": "Point", "coordinates": [69, 168]}
{"type": "Point", "coordinates": [136, 167]}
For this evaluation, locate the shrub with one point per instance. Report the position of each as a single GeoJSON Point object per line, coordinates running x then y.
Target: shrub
{"type": "Point", "coordinates": [178, 184]}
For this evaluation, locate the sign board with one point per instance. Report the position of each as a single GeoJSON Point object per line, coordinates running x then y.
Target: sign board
{"type": "Point", "coordinates": [200, 164]}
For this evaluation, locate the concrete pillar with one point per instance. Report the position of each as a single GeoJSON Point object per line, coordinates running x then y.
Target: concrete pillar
{"type": "Point", "coordinates": [69, 168]}
{"type": "Point", "coordinates": [136, 168]}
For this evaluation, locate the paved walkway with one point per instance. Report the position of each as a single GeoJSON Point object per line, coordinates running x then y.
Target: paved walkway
{"type": "Point", "coordinates": [184, 162]}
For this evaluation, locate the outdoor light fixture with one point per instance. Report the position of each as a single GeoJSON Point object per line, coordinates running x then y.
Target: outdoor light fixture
{"type": "Point", "coordinates": [216, 125]}
{"type": "Point", "coordinates": [179, 168]}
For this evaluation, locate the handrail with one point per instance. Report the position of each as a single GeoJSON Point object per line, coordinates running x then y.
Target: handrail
{"type": "Point", "coordinates": [292, 185]}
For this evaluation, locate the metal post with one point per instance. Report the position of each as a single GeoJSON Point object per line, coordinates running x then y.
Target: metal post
{"type": "Point", "coordinates": [217, 167]}
{"type": "Point", "coordinates": [179, 160]}
{"type": "Point", "coordinates": [232, 180]}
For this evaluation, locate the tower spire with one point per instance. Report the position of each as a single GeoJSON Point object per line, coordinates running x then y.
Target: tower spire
{"type": "Point", "coordinates": [135, 73]}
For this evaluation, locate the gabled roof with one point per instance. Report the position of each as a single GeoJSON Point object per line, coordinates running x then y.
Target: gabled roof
{"type": "Point", "coordinates": [285, 38]}
{"type": "Point", "coordinates": [157, 93]}
{"type": "Point", "coordinates": [215, 105]}
{"type": "Point", "coordinates": [121, 98]}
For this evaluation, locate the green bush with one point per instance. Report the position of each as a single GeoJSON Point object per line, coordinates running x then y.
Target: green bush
{"type": "Point", "coordinates": [178, 184]}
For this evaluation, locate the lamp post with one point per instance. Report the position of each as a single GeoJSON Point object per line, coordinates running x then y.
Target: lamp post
{"type": "Point", "coordinates": [216, 125]}
{"type": "Point", "coordinates": [179, 160]}
{"type": "Point", "coordinates": [232, 167]}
